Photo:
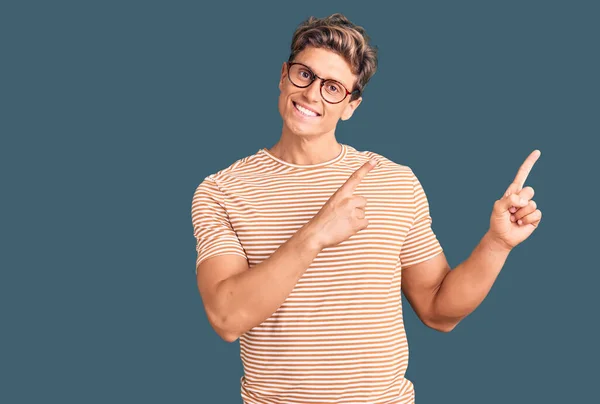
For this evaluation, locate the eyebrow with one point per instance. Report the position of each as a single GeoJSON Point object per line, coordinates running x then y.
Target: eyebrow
{"type": "Point", "coordinates": [339, 81]}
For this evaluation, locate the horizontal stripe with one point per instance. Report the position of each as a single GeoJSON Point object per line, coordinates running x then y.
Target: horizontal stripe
{"type": "Point", "coordinates": [339, 335]}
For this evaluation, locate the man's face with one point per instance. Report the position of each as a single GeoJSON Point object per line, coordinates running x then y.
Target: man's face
{"type": "Point", "coordinates": [328, 65]}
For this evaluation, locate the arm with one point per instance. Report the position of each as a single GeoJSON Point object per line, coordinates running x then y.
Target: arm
{"type": "Point", "coordinates": [239, 300]}
{"type": "Point", "coordinates": [442, 297]}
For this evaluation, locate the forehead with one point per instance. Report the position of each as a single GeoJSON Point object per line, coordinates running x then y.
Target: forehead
{"type": "Point", "coordinates": [327, 64]}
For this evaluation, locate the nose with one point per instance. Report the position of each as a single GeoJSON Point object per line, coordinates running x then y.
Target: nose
{"type": "Point", "coordinates": [313, 92]}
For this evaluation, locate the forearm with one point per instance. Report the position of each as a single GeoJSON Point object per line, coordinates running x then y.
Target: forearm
{"type": "Point", "coordinates": [250, 297]}
{"type": "Point", "coordinates": [465, 287]}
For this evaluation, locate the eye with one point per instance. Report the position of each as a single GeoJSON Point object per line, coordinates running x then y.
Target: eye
{"type": "Point", "coordinates": [304, 74]}
{"type": "Point", "coordinates": [333, 87]}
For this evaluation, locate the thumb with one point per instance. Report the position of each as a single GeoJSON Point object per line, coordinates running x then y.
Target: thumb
{"type": "Point", "coordinates": [504, 204]}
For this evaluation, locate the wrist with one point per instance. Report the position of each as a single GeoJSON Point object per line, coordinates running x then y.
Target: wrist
{"type": "Point", "coordinates": [309, 236]}
{"type": "Point", "coordinates": [496, 244]}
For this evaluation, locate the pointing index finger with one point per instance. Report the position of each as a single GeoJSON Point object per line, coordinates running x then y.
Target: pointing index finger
{"type": "Point", "coordinates": [525, 169]}
{"type": "Point", "coordinates": [356, 177]}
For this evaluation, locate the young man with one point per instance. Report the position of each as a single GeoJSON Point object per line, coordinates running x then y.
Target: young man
{"type": "Point", "coordinates": [303, 248]}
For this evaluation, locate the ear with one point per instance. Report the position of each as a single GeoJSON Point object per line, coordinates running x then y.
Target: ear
{"type": "Point", "coordinates": [350, 108]}
{"type": "Point", "coordinates": [283, 75]}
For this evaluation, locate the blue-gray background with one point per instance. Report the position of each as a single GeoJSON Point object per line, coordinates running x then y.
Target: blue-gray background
{"type": "Point", "coordinates": [113, 112]}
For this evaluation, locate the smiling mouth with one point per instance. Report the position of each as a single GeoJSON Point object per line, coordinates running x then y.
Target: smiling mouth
{"type": "Point", "coordinates": [305, 112]}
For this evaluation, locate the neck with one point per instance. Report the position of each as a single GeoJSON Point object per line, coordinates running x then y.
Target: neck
{"type": "Point", "coordinates": [306, 150]}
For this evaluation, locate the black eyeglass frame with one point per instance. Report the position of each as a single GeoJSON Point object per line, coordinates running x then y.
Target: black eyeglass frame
{"type": "Point", "coordinates": [314, 77]}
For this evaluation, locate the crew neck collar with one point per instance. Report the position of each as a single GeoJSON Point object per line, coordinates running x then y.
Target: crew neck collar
{"type": "Point", "coordinates": [339, 157]}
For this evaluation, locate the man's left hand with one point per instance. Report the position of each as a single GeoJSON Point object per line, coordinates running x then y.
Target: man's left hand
{"type": "Point", "coordinates": [515, 216]}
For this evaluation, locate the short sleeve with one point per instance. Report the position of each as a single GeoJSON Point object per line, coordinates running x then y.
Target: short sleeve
{"type": "Point", "coordinates": [421, 242]}
{"type": "Point", "coordinates": [212, 228]}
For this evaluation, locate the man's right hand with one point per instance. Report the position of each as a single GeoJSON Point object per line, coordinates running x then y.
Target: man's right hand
{"type": "Point", "coordinates": [343, 214]}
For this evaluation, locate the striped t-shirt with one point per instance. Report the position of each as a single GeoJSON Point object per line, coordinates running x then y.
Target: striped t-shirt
{"type": "Point", "coordinates": [339, 336]}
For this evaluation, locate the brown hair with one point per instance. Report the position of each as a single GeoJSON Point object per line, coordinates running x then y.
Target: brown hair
{"type": "Point", "coordinates": [338, 34]}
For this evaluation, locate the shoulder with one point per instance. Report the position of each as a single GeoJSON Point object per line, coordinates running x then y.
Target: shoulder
{"type": "Point", "coordinates": [236, 171]}
{"type": "Point", "coordinates": [385, 165]}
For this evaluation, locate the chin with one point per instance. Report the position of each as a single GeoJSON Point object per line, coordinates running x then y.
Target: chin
{"type": "Point", "coordinates": [297, 128]}
{"type": "Point", "coordinates": [304, 130]}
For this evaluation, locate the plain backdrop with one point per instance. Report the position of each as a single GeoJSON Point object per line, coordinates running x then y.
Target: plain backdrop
{"type": "Point", "coordinates": [112, 113]}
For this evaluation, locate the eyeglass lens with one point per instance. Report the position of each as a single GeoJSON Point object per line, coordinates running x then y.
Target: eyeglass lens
{"type": "Point", "coordinates": [331, 90]}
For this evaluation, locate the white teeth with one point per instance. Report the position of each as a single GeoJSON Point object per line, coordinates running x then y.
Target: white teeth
{"type": "Point", "coordinates": [305, 111]}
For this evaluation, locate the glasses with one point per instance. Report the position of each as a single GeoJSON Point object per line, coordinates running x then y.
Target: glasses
{"type": "Point", "coordinates": [301, 76]}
